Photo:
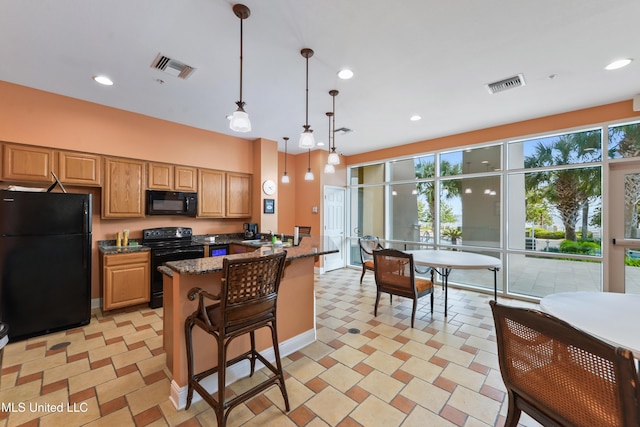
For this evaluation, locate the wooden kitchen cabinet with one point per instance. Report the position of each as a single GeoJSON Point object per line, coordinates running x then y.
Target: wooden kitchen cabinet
{"type": "Point", "coordinates": [123, 189]}
{"type": "Point", "coordinates": [160, 176]}
{"type": "Point", "coordinates": [79, 168]}
{"type": "Point", "coordinates": [24, 163]}
{"type": "Point", "coordinates": [238, 195]}
{"type": "Point", "coordinates": [169, 177]}
{"type": "Point", "coordinates": [211, 193]}
{"type": "Point", "coordinates": [186, 178]}
{"type": "Point", "coordinates": [125, 279]}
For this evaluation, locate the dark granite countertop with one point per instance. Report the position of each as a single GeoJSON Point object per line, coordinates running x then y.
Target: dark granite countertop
{"type": "Point", "coordinates": [108, 247]}
{"type": "Point", "coordinates": [308, 247]}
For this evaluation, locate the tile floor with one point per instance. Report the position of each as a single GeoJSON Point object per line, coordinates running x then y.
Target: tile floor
{"type": "Point", "coordinates": [111, 372]}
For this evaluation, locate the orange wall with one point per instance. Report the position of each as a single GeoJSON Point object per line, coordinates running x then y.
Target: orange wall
{"type": "Point", "coordinates": [286, 203]}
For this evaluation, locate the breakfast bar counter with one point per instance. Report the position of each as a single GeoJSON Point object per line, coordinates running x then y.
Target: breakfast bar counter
{"type": "Point", "coordinates": [295, 311]}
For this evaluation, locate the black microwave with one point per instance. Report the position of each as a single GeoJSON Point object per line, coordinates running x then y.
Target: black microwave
{"type": "Point", "coordinates": [172, 203]}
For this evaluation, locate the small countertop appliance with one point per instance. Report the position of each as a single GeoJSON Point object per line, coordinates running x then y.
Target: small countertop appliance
{"type": "Point", "coordinates": [250, 230]}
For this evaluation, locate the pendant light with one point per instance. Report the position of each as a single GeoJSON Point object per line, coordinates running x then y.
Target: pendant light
{"type": "Point", "coordinates": [334, 158]}
{"type": "Point", "coordinates": [309, 175]}
{"type": "Point", "coordinates": [329, 168]}
{"type": "Point", "coordinates": [240, 119]}
{"type": "Point", "coordinates": [306, 138]}
{"type": "Point", "coordinates": [285, 177]}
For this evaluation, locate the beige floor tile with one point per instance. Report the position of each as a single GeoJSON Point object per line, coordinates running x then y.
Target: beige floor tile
{"type": "Point", "coordinates": [42, 364]}
{"type": "Point", "coordinates": [317, 350]}
{"type": "Point", "coordinates": [85, 345]}
{"type": "Point", "coordinates": [475, 404]}
{"type": "Point", "coordinates": [304, 369]}
{"type": "Point", "coordinates": [139, 336]}
{"type": "Point", "coordinates": [383, 362]}
{"type": "Point", "coordinates": [21, 393]}
{"type": "Point", "coordinates": [421, 369]}
{"type": "Point", "coordinates": [385, 344]}
{"type": "Point", "coordinates": [341, 377]}
{"type": "Point", "coordinates": [354, 340]}
{"type": "Point", "coordinates": [271, 417]}
{"type": "Point", "coordinates": [119, 387]}
{"type": "Point", "coordinates": [418, 349]}
{"type": "Point", "coordinates": [486, 345]}
{"type": "Point", "coordinates": [65, 371]}
{"type": "Point", "coordinates": [34, 404]}
{"type": "Point", "coordinates": [421, 417]}
{"type": "Point", "coordinates": [15, 355]}
{"type": "Point", "coordinates": [463, 376]}
{"type": "Point", "coordinates": [386, 330]}
{"type": "Point", "coordinates": [118, 332]}
{"type": "Point", "coordinates": [455, 355]}
{"type": "Point", "coordinates": [298, 394]}
{"type": "Point", "coordinates": [107, 351]}
{"type": "Point", "coordinates": [426, 395]}
{"type": "Point", "coordinates": [374, 412]}
{"type": "Point", "coordinates": [154, 342]}
{"type": "Point", "coordinates": [91, 378]}
{"type": "Point", "coordinates": [153, 364]}
{"type": "Point", "coordinates": [148, 396]}
{"type": "Point", "coordinates": [331, 405]}
{"type": "Point", "coordinates": [348, 356]}
{"type": "Point", "coordinates": [382, 386]}
{"type": "Point", "coordinates": [120, 418]}
{"type": "Point", "coordinates": [130, 357]}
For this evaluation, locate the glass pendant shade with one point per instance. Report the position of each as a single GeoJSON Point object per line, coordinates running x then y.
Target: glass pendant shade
{"type": "Point", "coordinates": [285, 178]}
{"type": "Point", "coordinates": [306, 140]}
{"type": "Point", "coordinates": [329, 168]}
{"type": "Point", "coordinates": [308, 176]}
{"type": "Point", "coordinates": [334, 158]}
{"type": "Point", "coordinates": [240, 121]}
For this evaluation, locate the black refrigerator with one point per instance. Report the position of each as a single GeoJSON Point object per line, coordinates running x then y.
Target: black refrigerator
{"type": "Point", "coordinates": [45, 262]}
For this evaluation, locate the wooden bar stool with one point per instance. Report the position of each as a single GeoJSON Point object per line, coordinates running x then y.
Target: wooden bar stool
{"type": "Point", "coordinates": [247, 302]}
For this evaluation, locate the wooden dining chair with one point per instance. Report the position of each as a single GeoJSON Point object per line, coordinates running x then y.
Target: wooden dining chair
{"type": "Point", "coordinates": [395, 275]}
{"type": "Point", "coordinates": [368, 244]}
{"type": "Point", "coordinates": [562, 376]}
{"type": "Point", "coordinates": [246, 303]}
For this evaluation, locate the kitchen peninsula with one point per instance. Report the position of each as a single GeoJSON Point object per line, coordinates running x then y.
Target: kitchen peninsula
{"type": "Point", "coordinates": [296, 311]}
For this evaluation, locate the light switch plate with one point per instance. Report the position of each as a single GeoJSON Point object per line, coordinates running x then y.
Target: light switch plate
{"type": "Point", "coordinates": [314, 209]}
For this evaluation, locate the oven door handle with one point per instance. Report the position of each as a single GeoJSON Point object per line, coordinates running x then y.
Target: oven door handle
{"type": "Point", "coordinates": [162, 252]}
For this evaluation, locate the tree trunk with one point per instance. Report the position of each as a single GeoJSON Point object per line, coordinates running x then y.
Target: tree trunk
{"type": "Point", "coordinates": [585, 220]}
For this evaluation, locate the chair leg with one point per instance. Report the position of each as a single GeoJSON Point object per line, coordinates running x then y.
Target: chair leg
{"type": "Point", "coordinates": [276, 349]}
{"type": "Point", "coordinates": [252, 334]}
{"type": "Point", "coordinates": [222, 371]}
{"type": "Point", "coordinates": [363, 271]}
{"type": "Point", "coordinates": [375, 307]}
{"type": "Point", "coordinates": [513, 412]}
{"type": "Point", "coordinates": [413, 312]}
{"type": "Point", "coordinates": [188, 329]}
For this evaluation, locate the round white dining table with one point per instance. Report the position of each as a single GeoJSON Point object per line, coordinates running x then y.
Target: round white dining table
{"type": "Point", "coordinates": [612, 317]}
{"type": "Point", "coordinates": [448, 260]}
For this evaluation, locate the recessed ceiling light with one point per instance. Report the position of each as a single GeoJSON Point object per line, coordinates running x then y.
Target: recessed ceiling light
{"type": "Point", "coordinates": [618, 64]}
{"type": "Point", "coordinates": [103, 80]}
{"type": "Point", "coordinates": [415, 118]}
{"type": "Point", "coordinates": [345, 74]}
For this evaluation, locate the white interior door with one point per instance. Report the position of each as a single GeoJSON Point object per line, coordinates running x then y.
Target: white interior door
{"type": "Point", "coordinates": [623, 212]}
{"type": "Point", "coordinates": [334, 214]}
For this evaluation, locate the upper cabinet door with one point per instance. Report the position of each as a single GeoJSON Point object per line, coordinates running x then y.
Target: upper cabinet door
{"type": "Point", "coordinates": [123, 190]}
{"type": "Point", "coordinates": [79, 168]}
{"type": "Point", "coordinates": [160, 176]}
{"type": "Point", "coordinates": [238, 195]}
{"type": "Point", "coordinates": [28, 164]}
{"type": "Point", "coordinates": [186, 179]}
{"type": "Point", "coordinates": [211, 195]}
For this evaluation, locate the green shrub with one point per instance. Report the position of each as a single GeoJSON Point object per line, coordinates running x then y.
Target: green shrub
{"type": "Point", "coordinates": [580, 247]}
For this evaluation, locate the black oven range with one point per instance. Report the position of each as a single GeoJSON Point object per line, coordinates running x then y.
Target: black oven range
{"type": "Point", "coordinates": [168, 244]}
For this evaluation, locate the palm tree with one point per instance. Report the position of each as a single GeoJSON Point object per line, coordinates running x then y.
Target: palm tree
{"type": "Point", "coordinates": [628, 145]}
{"type": "Point", "coordinates": [453, 187]}
{"type": "Point", "coordinates": [569, 190]}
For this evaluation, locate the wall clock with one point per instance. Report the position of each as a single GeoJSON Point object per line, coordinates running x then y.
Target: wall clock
{"type": "Point", "coordinates": [269, 187]}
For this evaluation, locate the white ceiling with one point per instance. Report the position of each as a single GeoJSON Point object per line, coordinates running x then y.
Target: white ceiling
{"type": "Point", "coordinates": [424, 57]}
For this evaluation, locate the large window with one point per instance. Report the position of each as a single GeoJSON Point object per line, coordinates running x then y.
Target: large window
{"type": "Point", "coordinates": [536, 203]}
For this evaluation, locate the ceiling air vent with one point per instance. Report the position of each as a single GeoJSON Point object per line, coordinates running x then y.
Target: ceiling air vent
{"type": "Point", "coordinates": [502, 85]}
{"type": "Point", "coordinates": [342, 131]}
{"type": "Point", "coordinates": [171, 66]}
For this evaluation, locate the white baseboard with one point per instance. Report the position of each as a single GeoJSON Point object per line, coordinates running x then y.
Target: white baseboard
{"type": "Point", "coordinates": [178, 395]}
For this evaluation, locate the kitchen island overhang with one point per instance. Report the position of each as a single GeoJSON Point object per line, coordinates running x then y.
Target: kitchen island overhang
{"type": "Point", "coordinates": [295, 311]}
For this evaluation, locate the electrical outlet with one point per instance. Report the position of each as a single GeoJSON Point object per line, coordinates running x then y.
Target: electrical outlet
{"type": "Point", "coordinates": [314, 209]}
